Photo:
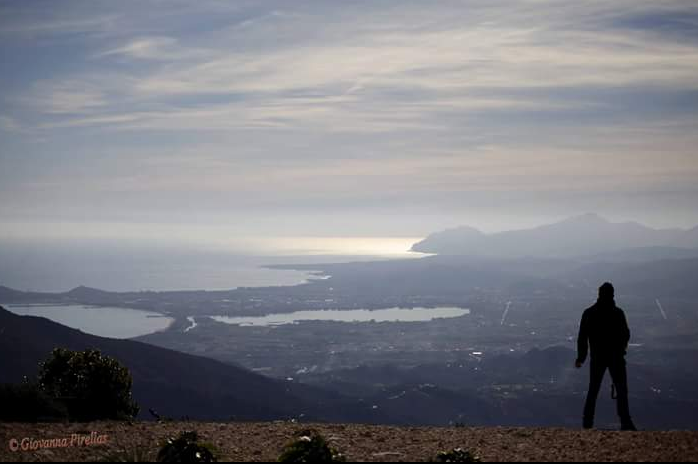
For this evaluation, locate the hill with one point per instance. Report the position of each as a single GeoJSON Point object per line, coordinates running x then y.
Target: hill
{"type": "Point", "coordinates": [174, 384]}
{"type": "Point", "coordinates": [584, 235]}
{"type": "Point", "coordinates": [263, 442]}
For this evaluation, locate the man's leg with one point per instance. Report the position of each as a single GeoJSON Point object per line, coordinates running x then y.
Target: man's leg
{"type": "Point", "coordinates": [596, 373]}
{"type": "Point", "coordinates": [620, 380]}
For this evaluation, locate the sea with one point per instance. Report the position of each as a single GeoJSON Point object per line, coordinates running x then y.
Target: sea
{"type": "Point", "coordinates": [119, 266]}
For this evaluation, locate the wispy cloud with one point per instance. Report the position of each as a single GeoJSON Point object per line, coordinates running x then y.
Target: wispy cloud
{"type": "Point", "coordinates": [383, 65]}
{"type": "Point", "coordinates": [64, 97]}
{"type": "Point", "coordinates": [154, 48]}
{"type": "Point", "coordinates": [363, 101]}
{"type": "Point", "coordinates": [54, 26]}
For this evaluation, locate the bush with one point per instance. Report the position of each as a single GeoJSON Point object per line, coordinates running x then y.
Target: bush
{"type": "Point", "coordinates": [92, 386]}
{"type": "Point", "coordinates": [456, 455]}
{"type": "Point", "coordinates": [26, 403]}
{"type": "Point", "coordinates": [310, 447]}
{"type": "Point", "coordinates": [186, 449]}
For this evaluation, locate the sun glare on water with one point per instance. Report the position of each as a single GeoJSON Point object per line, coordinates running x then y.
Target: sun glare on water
{"type": "Point", "coordinates": [395, 247]}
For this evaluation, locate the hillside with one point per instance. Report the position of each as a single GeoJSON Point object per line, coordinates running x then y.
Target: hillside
{"type": "Point", "coordinates": [263, 442]}
{"type": "Point", "coordinates": [174, 384]}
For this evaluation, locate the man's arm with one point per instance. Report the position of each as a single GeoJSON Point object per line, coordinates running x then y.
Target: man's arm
{"type": "Point", "coordinates": [583, 341]}
{"type": "Point", "coordinates": [625, 330]}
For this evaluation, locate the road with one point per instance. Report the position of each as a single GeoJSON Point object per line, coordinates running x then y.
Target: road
{"type": "Point", "coordinates": [506, 312]}
{"type": "Point", "coordinates": [661, 309]}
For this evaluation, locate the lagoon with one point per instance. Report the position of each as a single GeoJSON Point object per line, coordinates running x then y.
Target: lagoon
{"type": "Point", "coordinates": [357, 315]}
{"type": "Point", "coordinates": [101, 321]}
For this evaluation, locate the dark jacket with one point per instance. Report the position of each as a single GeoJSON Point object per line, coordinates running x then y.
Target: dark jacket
{"type": "Point", "coordinates": [604, 329]}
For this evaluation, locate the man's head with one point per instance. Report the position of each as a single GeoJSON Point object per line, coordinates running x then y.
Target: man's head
{"type": "Point", "coordinates": [607, 292]}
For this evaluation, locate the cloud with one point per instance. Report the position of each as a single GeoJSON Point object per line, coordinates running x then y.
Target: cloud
{"type": "Point", "coordinates": [274, 104]}
{"type": "Point", "coordinates": [154, 48]}
{"type": "Point", "coordinates": [399, 73]}
{"type": "Point", "coordinates": [54, 26]}
{"type": "Point", "coordinates": [67, 97]}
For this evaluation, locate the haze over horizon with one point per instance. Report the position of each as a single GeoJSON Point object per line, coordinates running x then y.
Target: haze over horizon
{"type": "Point", "coordinates": [176, 262]}
{"type": "Point", "coordinates": [378, 119]}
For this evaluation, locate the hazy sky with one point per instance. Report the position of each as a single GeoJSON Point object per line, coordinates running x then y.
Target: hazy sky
{"type": "Point", "coordinates": [344, 118]}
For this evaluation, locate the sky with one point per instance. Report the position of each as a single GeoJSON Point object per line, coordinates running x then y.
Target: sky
{"type": "Point", "coordinates": [378, 118]}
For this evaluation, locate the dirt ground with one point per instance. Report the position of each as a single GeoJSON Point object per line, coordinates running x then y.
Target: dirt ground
{"type": "Point", "coordinates": [264, 442]}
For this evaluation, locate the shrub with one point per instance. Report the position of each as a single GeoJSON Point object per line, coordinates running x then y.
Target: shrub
{"type": "Point", "coordinates": [92, 386]}
{"type": "Point", "coordinates": [310, 447]}
{"type": "Point", "coordinates": [26, 403]}
{"type": "Point", "coordinates": [456, 455]}
{"type": "Point", "coordinates": [186, 449]}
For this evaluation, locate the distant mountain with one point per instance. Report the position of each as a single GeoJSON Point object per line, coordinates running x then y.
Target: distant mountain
{"type": "Point", "coordinates": [174, 384]}
{"type": "Point", "coordinates": [585, 235]}
{"type": "Point", "coordinates": [83, 292]}
{"type": "Point", "coordinates": [8, 294]}
{"type": "Point", "coordinates": [84, 295]}
{"type": "Point", "coordinates": [451, 239]}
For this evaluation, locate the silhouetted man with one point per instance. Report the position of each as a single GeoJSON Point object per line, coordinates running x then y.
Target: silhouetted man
{"type": "Point", "coordinates": [605, 329]}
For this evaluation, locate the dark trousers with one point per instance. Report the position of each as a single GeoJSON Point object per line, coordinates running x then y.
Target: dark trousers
{"type": "Point", "coordinates": [619, 376]}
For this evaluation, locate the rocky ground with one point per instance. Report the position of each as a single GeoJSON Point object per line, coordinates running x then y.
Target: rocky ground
{"type": "Point", "coordinates": [264, 442]}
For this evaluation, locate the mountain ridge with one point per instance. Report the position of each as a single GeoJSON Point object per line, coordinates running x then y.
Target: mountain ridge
{"type": "Point", "coordinates": [583, 235]}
